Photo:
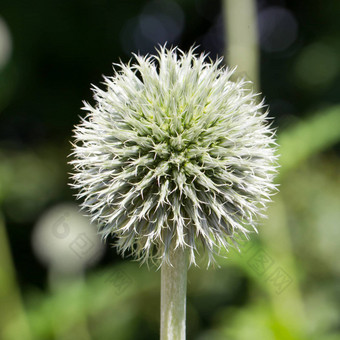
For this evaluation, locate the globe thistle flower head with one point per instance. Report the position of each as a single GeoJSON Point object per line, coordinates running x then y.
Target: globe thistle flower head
{"type": "Point", "coordinates": [174, 154]}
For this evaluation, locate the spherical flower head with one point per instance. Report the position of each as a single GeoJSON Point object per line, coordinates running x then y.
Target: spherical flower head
{"type": "Point", "coordinates": [174, 154]}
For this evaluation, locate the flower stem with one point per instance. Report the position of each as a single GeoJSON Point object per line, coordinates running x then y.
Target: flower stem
{"type": "Point", "coordinates": [173, 296]}
{"type": "Point", "coordinates": [13, 318]}
{"type": "Point", "coordinates": [241, 34]}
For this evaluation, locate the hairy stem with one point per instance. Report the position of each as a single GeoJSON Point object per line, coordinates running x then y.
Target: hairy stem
{"type": "Point", "coordinates": [173, 296]}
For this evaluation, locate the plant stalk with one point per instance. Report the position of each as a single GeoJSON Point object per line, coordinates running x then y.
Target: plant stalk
{"type": "Point", "coordinates": [13, 318]}
{"type": "Point", "coordinates": [173, 296]}
{"type": "Point", "coordinates": [241, 34]}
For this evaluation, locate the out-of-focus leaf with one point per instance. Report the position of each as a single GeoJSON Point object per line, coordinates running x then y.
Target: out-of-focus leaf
{"type": "Point", "coordinates": [309, 137]}
{"type": "Point", "coordinates": [105, 291]}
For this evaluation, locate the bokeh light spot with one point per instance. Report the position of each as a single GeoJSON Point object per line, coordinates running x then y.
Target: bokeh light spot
{"type": "Point", "coordinates": [317, 65]}
{"type": "Point", "coordinates": [5, 43]}
{"type": "Point", "coordinates": [278, 29]}
{"type": "Point", "coordinates": [65, 240]}
{"type": "Point", "coordinates": [159, 22]}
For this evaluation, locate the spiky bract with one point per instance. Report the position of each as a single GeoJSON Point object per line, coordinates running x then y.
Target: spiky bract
{"type": "Point", "coordinates": [174, 153]}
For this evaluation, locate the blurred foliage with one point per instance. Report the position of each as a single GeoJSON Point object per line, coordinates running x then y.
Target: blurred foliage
{"type": "Point", "coordinates": [284, 284]}
{"type": "Point", "coordinates": [308, 137]}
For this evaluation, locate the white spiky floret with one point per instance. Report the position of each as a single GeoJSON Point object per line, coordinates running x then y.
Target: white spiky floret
{"type": "Point", "coordinates": [174, 154]}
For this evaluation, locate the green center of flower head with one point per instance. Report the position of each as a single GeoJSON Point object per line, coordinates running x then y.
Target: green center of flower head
{"type": "Point", "coordinates": [175, 150]}
{"type": "Point", "coordinates": [174, 153]}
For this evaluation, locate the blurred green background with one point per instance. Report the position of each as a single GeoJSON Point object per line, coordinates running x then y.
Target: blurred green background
{"type": "Point", "coordinates": [58, 282]}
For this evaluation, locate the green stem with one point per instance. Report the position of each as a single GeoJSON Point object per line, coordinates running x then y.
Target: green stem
{"type": "Point", "coordinates": [13, 322]}
{"type": "Point", "coordinates": [173, 296]}
{"type": "Point", "coordinates": [241, 38]}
